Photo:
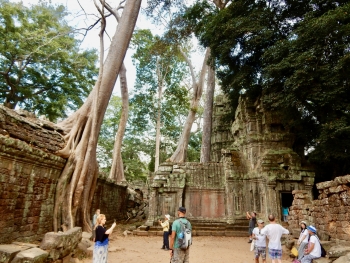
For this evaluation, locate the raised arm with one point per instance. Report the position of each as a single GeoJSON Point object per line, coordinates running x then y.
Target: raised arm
{"type": "Point", "coordinates": [110, 230]}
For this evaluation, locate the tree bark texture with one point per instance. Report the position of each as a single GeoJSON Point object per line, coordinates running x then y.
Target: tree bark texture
{"type": "Point", "coordinates": [77, 182]}
{"type": "Point", "coordinates": [117, 170]}
{"type": "Point", "coordinates": [179, 156]}
{"type": "Point", "coordinates": [159, 113]}
{"type": "Point", "coordinates": [207, 119]}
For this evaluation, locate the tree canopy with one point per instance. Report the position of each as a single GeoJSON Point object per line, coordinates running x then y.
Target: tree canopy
{"type": "Point", "coordinates": [295, 56]}
{"type": "Point", "coordinates": [42, 68]}
{"type": "Point", "coordinates": [158, 63]}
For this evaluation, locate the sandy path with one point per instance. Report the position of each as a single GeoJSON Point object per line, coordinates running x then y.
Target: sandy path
{"type": "Point", "coordinates": [205, 249]}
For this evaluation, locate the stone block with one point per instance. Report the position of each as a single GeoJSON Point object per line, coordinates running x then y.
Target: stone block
{"type": "Point", "coordinates": [8, 252]}
{"type": "Point", "coordinates": [203, 233]}
{"type": "Point", "coordinates": [62, 243]}
{"type": "Point", "coordinates": [165, 168]}
{"type": "Point", "coordinates": [141, 233]}
{"type": "Point", "coordinates": [32, 255]}
{"type": "Point", "coordinates": [322, 260]}
{"type": "Point", "coordinates": [337, 189]}
{"type": "Point", "coordinates": [342, 179]}
{"type": "Point", "coordinates": [343, 259]}
{"type": "Point", "coordinates": [338, 251]}
{"type": "Point", "coordinates": [25, 244]}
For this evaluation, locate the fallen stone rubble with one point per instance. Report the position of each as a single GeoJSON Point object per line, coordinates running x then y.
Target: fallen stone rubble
{"type": "Point", "coordinates": [137, 206]}
{"type": "Point", "coordinates": [67, 247]}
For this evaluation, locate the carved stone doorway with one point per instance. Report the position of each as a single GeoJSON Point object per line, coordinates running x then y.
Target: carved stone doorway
{"type": "Point", "coordinates": [286, 200]}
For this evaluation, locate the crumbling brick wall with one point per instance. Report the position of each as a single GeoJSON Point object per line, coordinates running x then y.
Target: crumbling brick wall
{"type": "Point", "coordinates": [29, 171]}
{"type": "Point", "coordinates": [330, 213]}
{"type": "Point", "coordinates": [111, 199]}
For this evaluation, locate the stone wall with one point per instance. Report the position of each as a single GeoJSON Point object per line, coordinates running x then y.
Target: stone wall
{"type": "Point", "coordinates": [29, 170]}
{"type": "Point", "coordinates": [254, 168]}
{"type": "Point", "coordinates": [221, 137]}
{"type": "Point", "coordinates": [28, 174]}
{"type": "Point", "coordinates": [111, 199]}
{"type": "Point", "coordinates": [199, 187]}
{"type": "Point", "coordinates": [330, 213]}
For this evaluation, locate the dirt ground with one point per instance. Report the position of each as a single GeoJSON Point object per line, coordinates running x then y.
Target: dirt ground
{"type": "Point", "coordinates": [205, 249]}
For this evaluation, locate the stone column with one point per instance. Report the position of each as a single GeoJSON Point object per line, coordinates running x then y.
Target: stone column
{"type": "Point", "coordinates": [229, 203]}
{"type": "Point", "coordinates": [152, 207]}
{"type": "Point", "coordinates": [272, 199]}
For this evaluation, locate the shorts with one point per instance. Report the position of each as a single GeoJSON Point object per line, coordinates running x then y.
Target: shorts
{"type": "Point", "coordinates": [275, 253]}
{"type": "Point", "coordinates": [260, 251]}
{"type": "Point", "coordinates": [180, 256]}
{"type": "Point", "coordinates": [251, 230]}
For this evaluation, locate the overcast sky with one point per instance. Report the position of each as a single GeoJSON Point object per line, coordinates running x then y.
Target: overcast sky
{"type": "Point", "coordinates": [83, 18]}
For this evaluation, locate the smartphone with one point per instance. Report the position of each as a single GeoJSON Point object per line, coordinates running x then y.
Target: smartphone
{"type": "Point", "coordinates": [115, 220]}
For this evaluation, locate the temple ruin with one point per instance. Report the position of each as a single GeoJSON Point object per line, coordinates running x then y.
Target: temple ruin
{"type": "Point", "coordinates": [254, 168]}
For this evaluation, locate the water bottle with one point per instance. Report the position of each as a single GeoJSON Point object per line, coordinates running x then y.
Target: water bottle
{"type": "Point", "coordinates": [180, 235]}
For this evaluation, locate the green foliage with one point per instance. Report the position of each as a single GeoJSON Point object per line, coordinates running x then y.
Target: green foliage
{"type": "Point", "coordinates": [310, 72]}
{"type": "Point", "coordinates": [295, 56]}
{"type": "Point", "coordinates": [41, 67]}
{"type": "Point", "coordinates": [158, 63]}
{"type": "Point", "coordinates": [134, 167]}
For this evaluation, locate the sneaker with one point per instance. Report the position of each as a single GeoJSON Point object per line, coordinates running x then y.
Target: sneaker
{"type": "Point", "coordinates": [250, 241]}
{"type": "Point", "coordinates": [166, 248]}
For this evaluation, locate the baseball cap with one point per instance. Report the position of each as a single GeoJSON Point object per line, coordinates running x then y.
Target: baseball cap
{"type": "Point", "coordinates": [167, 216]}
{"type": "Point", "coordinates": [260, 221]}
{"type": "Point", "coordinates": [182, 209]}
{"type": "Point", "coordinates": [312, 229]}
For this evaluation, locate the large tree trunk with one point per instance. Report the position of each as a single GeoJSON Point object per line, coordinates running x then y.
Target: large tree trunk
{"type": "Point", "coordinates": [117, 170]}
{"type": "Point", "coordinates": [77, 182]}
{"type": "Point", "coordinates": [179, 156]}
{"type": "Point", "coordinates": [159, 113]}
{"type": "Point", "coordinates": [207, 119]}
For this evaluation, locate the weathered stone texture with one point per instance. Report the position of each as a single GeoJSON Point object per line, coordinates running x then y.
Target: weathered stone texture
{"type": "Point", "coordinates": [111, 199]}
{"type": "Point", "coordinates": [61, 244]}
{"type": "Point", "coordinates": [32, 255]}
{"type": "Point", "coordinates": [29, 171]}
{"type": "Point", "coordinates": [330, 213]}
{"type": "Point", "coordinates": [27, 186]}
{"type": "Point", "coordinates": [254, 163]}
{"type": "Point", "coordinates": [37, 133]}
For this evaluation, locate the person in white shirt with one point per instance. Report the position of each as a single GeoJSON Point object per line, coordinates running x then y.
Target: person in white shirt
{"type": "Point", "coordinates": [314, 248]}
{"type": "Point", "coordinates": [303, 239]}
{"type": "Point", "coordinates": [274, 231]}
{"type": "Point", "coordinates": [260, 242]}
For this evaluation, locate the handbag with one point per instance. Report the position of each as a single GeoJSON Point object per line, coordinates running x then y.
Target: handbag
{"type": "Point", "coordinates": [252, 245]}
{"type": "Point", "coordinates": [294, 251]}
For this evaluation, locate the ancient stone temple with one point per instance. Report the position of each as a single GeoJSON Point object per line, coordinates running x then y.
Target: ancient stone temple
{"type": "Point", "coordinates": [254, 169]}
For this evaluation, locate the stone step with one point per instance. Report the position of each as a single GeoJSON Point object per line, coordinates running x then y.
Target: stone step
{"type": "Point", "coordinates": [197, 233]}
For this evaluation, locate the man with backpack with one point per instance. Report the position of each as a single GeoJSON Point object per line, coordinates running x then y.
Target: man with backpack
{"type": "Point", "coordinates": [181, 238]}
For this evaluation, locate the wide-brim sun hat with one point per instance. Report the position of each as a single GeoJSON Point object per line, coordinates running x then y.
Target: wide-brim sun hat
{"type": "Point", "coordinates": [303, 222]}
{"type": "Point", "coordinates": [312, 229]}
